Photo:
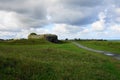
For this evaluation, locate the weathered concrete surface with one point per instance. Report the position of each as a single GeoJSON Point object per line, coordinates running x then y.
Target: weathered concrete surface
{"type": "Point", "coordinates": [49, 37]}
{"type": "Point", "coordinates": [116, 56]}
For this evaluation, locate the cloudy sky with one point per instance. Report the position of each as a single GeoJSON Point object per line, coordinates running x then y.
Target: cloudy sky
{"type": "Point", "coordinates": [86, 19]}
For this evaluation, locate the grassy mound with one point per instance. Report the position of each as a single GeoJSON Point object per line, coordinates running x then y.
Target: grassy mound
{"type": "Point", "coordinates": [25, 42]}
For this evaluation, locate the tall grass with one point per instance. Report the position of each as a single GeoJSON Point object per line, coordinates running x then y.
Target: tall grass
{"type": "Point", "coordinates": [48, 61]}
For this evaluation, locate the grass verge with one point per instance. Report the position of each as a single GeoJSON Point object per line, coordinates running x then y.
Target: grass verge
{"type": "Point", "coordinates": [103, 45]}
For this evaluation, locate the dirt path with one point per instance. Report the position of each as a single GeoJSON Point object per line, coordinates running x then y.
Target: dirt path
{"type": "Point", "coordinates": [116, 56]}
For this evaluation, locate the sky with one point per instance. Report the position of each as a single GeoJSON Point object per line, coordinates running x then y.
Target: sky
{"type": "Point", "coordinates": [85, 19]}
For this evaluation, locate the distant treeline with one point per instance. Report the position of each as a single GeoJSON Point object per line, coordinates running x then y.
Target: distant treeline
{"type": "Point", "coordinates": [76, 39]}
{"type": "Point", "coordinates": [85, 39]}
{"type": "Point", "coordinates": [1, 39]}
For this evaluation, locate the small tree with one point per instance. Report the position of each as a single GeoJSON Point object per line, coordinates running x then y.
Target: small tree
{"type": "Point", "coordinates": [79, 39]}
{"type": "Point", "coordinates": [33, 34]}
{"type": "Point", "coordinates": [66, 39]}
{"type": "Point", "coordinates": [75, 39]}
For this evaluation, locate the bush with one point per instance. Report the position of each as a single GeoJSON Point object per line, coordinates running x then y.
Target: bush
{"type": "Point", "coordinates": [33, 34]}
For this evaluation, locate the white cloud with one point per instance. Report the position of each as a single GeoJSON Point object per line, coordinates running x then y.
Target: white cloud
{"type": "Point", "coordinates": [65, 31]}
{"type": "Point", "coordinates": [86, 31]}
{"type": "Point", "coordinates": [117, 10]}
{"type": "Point", "coordinates": [100, 24]}
{"type": "Point", "coordinates": [64, 28]}
{"type": "Point", "coordinates": [117, 14]}
{"type": "Point", "coordinates": [18, 17]}
{"type": "Point", "coordinates": [7, 35]}
{"type": "Point", "coordinates": [115, 28]}
{"type": "Point", "coordinates": [12, 21]}
{"type": "Point", "coordinates": [9, 21]}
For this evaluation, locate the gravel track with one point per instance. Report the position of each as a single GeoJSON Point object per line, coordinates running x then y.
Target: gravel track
{"type": "Point", "coordinates": [116, 56]}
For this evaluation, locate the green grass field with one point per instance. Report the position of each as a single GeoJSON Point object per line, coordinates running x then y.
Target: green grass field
{"type": "Point", "coordinates": [42, 60]}
{"type": "Point", "coordinates": [111, 46]}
